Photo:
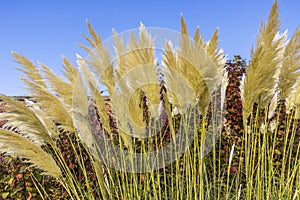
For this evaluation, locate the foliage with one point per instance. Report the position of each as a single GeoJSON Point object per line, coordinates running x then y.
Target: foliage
{"type": "Point", "coordinates": [257, 156]}
{"type": "Point", "coordinates": [20, 181]}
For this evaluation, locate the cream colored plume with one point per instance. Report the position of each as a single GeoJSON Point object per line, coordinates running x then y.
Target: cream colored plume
{"type": "Point", "coordinates": [297, 99]}
{"type": "Point", "coordinates": [261, 80]}
{"type": "Point", "coordinates": [178, 84]}
{"type": "Point", "coordinates": [52, 104]}
{"type": "Point", "coordinates": [58, 86]}
{"type": "Point", "coordinates": [29, 69]}
{"type": "Point", "coordinates": [16, 145]}
{"type": "Point", "coordinates": [24, 120]}
{"type": "Point", "coordinates": [99, 60]}
{"type": "Point", "coordinates": [290, 72]}
{"type": "Point", "coordinates": [94, 91]}
{"type": "Point", "coordinates": [136, 75]}
{"type": "Point", "coordinates": [192, 61]}
{"type": "Point", "coordinates": [79, 112]}
{"type": "Point", "coordinates": [212, 50]}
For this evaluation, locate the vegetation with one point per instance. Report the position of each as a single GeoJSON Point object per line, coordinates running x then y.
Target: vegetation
{"type": "Point", "coordinates": [65, 132]}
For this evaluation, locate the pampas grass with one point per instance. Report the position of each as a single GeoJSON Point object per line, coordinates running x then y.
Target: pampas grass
{"type": "Point", "coordinates": [260, 83]}
{"type": "Point", "coordinates": [18, 146]}
{"type": "Point", "coordinates": [289, 73]}
{"type": "Point", "coordinates": [193, 76]}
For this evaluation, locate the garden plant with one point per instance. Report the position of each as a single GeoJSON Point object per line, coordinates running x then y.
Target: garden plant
{"type": "Point", "coordinates": [190, 125]}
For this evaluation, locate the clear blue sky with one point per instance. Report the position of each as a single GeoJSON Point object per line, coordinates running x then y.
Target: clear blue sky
{"type": "Point", "coordinates": [45, 30]}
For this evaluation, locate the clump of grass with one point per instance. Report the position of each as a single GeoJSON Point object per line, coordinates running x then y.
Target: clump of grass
{"type": "Point", "coordinates": [66, 130]}
{"type": "Point", "coordinates": [271, 75]}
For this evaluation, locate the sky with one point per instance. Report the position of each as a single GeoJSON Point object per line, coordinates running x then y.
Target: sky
{"type": "Point", "coordinates": [43, 31]}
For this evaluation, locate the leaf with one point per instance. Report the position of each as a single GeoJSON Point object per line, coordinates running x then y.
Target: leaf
{"type": "Point", "coordinates": [5, 195]}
